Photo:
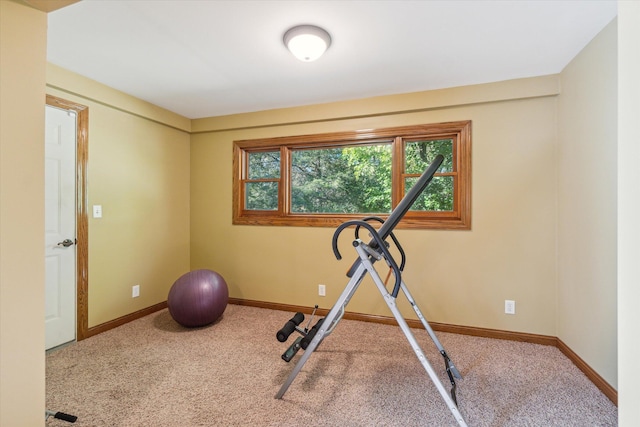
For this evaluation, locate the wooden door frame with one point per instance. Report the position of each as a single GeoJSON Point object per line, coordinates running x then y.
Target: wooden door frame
{"type": "Point", "coordinates": [82, 216]}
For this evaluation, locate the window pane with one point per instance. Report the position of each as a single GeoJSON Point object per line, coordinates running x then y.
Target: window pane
{"type": "Point", "coordinates": [264, 164]}
{"type": "Point", "coordinates": [354, 179]}
{"type": "Point", "coordinates": [420, 154]}
{"type": "Point", "coordinates": [438, 196]}
{"type": "Point", "coordinates": [261, 196]}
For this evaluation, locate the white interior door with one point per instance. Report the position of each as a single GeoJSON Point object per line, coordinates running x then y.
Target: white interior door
{"type": "Point", "coordinates": [60, 226]}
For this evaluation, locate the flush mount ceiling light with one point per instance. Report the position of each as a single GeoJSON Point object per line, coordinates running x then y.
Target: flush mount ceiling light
{"type": "Point", "coordinates": [307, 42]}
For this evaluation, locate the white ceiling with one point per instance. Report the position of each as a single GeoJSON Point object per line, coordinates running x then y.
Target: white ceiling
{"type": "Point", "coordinates": [212, 57]}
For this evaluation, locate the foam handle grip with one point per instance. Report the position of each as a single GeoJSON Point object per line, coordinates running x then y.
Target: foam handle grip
{"type": "Point", "coordinates": [65, 417]}
{"type": "Point", "coordinates": [283, 334]}
{"type": "Point", "coordinates": [312, 333]}
{"type": "Point", "coordinates": [297, 318]}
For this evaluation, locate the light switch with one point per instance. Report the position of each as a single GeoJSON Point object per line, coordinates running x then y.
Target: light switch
{"type": "Point", "coordinates": [97, 211]}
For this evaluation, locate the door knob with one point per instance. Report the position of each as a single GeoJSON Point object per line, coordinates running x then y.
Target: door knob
{"type": "Point", "coordinates": [66, 243]}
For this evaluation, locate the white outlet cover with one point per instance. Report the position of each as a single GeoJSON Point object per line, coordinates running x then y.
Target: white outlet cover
{"type": "Point", "coordinates": [509, 307]}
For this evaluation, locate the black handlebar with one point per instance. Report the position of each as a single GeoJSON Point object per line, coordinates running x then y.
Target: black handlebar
{"type": "Point", "coordinates": [373, 244]}
{"type": "Point", "coordinates": [379, 243]}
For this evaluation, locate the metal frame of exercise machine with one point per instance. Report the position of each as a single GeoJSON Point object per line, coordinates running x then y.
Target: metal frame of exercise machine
{"type": "Point", "coordinates": [368, 253]}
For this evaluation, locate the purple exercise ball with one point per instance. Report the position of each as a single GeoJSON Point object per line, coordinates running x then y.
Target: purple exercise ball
{"type": "Point", "coordinates": [198, 298]}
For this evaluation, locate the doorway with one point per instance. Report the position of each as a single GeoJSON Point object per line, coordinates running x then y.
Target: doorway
{"type": "Point", "coordinates": [66, 239]}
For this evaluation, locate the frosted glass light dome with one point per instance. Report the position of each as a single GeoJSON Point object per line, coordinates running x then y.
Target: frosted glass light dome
{"type": "Point", "coordinates": [307, 42]}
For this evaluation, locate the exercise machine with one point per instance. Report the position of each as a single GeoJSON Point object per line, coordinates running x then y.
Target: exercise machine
{"type": "Point", "coordinates": [377, 249]}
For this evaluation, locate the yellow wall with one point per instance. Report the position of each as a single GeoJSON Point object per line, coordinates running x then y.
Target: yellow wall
{"type": "Point", "coordinates": [138, 171]}
{"type": "Point", "coordinates": [587, 181]}
{"type": "Point", "coordinates": [457, 277]}
{"type": "Point", "coordinates": [23, 42]}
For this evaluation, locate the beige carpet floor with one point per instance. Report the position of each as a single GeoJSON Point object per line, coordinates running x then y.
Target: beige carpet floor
{"type": "Point", "coordinates": [153, 372]}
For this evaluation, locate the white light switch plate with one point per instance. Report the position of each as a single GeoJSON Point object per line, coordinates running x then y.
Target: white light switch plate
{"type": "Point", "coordinates": [97, 211]}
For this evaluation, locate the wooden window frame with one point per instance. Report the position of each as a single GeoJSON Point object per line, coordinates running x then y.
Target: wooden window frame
{"type": "Point", "coordinates": [457, 219]}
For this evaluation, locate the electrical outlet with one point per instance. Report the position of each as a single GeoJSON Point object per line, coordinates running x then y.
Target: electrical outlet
{"type": "Point", "coordinates": [509, 306]}
{"type": "Point", "coordinates": [322, 290]}
{"type": "Point", "coordinates": [135, 291]}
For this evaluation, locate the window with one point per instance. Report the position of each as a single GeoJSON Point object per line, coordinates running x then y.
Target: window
{"type": "Point", "coordinates": [326, 179]}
